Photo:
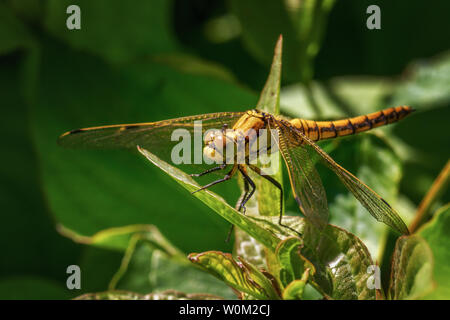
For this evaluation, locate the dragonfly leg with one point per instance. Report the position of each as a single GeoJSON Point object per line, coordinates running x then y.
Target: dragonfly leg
{"type": "Point", "coordinates": [250, 182]}
{"type": "Point", "coordinates": [221, 167]}
{"type": "Point", "coordinates": [271, 180]}
{"type": "Point", "coordinates": [239, 205]}
{"type": "Point", "coordinates": [278, 185]}
{"type": "Point", "coordinates": [244, 195]}
{"type": "Point", "coordinates": [227, 177]}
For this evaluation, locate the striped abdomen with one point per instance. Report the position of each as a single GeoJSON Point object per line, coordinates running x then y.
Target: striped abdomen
{"type": "Point", "coordinates": [319, 130]}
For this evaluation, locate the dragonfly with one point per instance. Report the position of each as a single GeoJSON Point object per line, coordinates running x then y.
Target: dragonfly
{"type": "Point", "coordinates": [296, 140]}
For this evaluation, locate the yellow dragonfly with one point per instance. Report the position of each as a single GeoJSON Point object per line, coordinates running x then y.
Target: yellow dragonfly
{"type": "Point", "coordinates": [295, 139]}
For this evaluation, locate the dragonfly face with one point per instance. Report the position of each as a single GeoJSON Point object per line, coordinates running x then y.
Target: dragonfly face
{"type": "Point", "coordinates": [239, 145]}
{"type": "Point", "coordinates": [233, 138]}
{"type": "Point", "coordinates": [223, 146]}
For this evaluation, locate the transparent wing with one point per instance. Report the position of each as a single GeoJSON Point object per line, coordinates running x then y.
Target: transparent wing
{"type": "Point", "coordinates": [160, 137]}
{"type": "Point", "coordinates": [305, 181]}
{"type": "Point", "coordinates": [376, 205]}
{"type": "Point", "coordinates": [142, 134]}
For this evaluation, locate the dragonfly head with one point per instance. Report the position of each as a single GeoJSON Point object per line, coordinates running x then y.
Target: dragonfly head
{"type": "Point", "coordinates": [217, 142]}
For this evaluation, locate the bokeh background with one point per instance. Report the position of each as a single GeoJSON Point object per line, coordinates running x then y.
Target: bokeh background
{"type": "Point", "coordinates": [145, 61]}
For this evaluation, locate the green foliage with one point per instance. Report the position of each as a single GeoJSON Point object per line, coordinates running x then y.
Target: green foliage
{"type": "Point", "coordinates": [23, 287]}
{"type": "Point", "coordinates": [104, 34]}
{"type": "Point", "coordinates": [302, 26]}
{"type": "Point", "coordinates": [412, 266]}
{"type": "Point", "coordinates": [291, 264]}
{"type": "Point", "coordinates": [267, 194]}
{"type": "Point", "coordinates": [341, 264]}
{"type": "Point", "coordinates": [253, 227]}
{"type": "Point", "coordinates": [127, 295]}
{"type": "Point", "coordinates": [126, 190]}
{"type": "Point", "coordinates": [241, 276]}
{"type": "Point", "coordinates": [437, 234]}
{"type": "Point", "coordinates": [130, 227]}
{"type": "Point", "coordinates": [334, 261]}
{"type": "Point", "coordinates": [13, 33]}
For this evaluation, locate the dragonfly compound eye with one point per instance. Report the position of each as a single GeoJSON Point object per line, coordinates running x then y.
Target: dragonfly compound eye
{"type": "Point", "coordinates": [211, 136]}
{"type": "Point", "coordinates": [212, 154]}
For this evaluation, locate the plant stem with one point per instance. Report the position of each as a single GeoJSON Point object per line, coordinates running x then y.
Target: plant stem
{"type": "Point", "coordinates": [435, 191]}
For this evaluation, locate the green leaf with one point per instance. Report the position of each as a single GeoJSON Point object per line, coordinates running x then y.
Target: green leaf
{"type": "Point", "coordinates": [268, 236]}
{"type": "Point", "coordinates": [32, 247]}
{"type": "Point", "coordinates": [151, 264]}
{"type": "Point", "coordinates": [425, 88]}
{"type": "Point", "coordinates": [111, 295]}
{"type": "Point", "coordinates": [337, 98]}
{"type": "Point", "coordinates": [32, 288]}
{"type": "Point", "coordinates": [13, 33]}
{"type": "Point", "coordinates": [267, 195]}
{"type": "Point", "coordinates": [28, 10]}
{"type": "Point", "coordinates": [249, 249]}
{"type": "Point", "coordinates": [194, 65]}
{"type": "Point", "coordinates": [423, 160]}
{"type": "Point", "coordinates": [292, 265]}
{"type": "Point", "coordinates": [103, 31]}
{"type": "Point", "coordinates": [302, 26]}
{"type": "Point", "coordinates": [146, 253]}
{"type": "Point", "coordinates": [437, 234]}
{"type": "Point", "coordinates": [129, 295]}
{"type": "Point", "coordinates": [309, 102]}
{"type": "Point", "coordinates": [119, 238]}
{"type": "Point", "coordinates": [340, 259]}
{"type": "Point", "coordinates": [241, 276]}
{"type": "Point", "coordinates": [98, 266]}
{"type": "Point", "coordinates": [294, 291]}
{"type": "Point", "coordinates": [427, 84]}
{"type": "Point", "coordinates": [310, 293]}
{"type": "Point", "coordinates": [412, 268]}
{"type": "Point", "coordinates": [357, 95]}
{"type": "Point", "coordinates": [269, 99]}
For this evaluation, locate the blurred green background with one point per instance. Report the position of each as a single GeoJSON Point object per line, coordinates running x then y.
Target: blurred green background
{"type": "Point", "coordinates": [145, 61]}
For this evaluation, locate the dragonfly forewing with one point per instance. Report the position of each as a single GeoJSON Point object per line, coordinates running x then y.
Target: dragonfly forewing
{"type": "Point", "coordinates": [159, 137]}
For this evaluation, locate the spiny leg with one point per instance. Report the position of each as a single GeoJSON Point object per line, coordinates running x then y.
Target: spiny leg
{"type": "Point", "coordinates": [248, 180]}
{"type": "Point", "coordinates": [278, 185]}
{"type": "Point", "coordinates": [221, 167]}
{"type": "Point", "coordinates": [271, 180]}
{"type": "Point", "coordinates": [227, 177]}
{"type": "Point", "coordinates": [244, 195]}
{"type": "Point", "coordinates": [239, 205]}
